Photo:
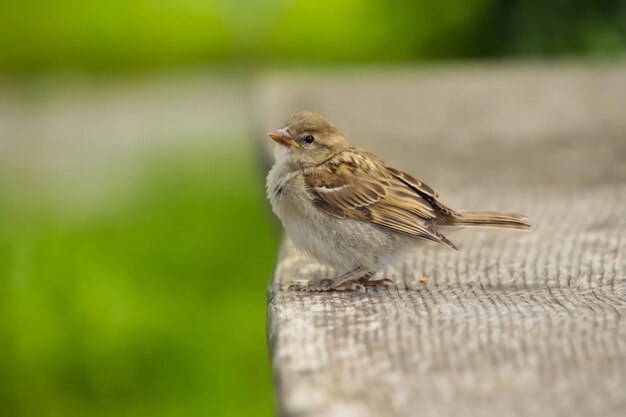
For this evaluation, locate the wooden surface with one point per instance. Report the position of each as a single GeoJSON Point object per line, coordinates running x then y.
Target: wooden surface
{"type": "Point", "coordinates": [515, 324]}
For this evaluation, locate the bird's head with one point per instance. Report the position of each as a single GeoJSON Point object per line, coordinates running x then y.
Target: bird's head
{"type": "Point", "coordinates": [308, 139]}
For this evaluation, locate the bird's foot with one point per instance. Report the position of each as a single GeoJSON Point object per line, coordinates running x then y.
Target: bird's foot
{"type": "Point", "coordinates": [328, 285]}
{"type": "Point", "coordinates": [355, 279]}
{"type": "Point", "coordinates": [346, 285]}
{"type": "Point", "coordinates": [350, 285]}
{"type": "Point", "coordinates": [312, 286]}
{"type": "Point", "coordinates": [383, 282]}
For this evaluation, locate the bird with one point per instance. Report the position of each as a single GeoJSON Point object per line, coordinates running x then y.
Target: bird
{"type": "Point", "coordinates": [346, 208]}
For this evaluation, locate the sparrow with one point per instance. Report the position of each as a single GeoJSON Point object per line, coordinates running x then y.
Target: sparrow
{"type": "Point", "coordinates": [350, 211]}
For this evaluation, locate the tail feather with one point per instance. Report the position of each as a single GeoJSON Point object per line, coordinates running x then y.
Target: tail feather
{"type": "Point", "coordinates": [488, 219]}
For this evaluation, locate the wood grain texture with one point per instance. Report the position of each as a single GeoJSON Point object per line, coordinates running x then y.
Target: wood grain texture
{"type": "Point", "coordinates": [514, 323]}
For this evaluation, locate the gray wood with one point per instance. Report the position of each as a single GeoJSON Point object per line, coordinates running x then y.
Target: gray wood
{"type": "Point", "coordinates": [514, 323]}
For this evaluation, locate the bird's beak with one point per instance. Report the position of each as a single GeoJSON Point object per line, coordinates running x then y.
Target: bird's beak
{"type": "Point", "coordinates": [283, 137]}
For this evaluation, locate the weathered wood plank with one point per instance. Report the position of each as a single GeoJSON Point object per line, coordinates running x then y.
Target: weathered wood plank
{"type": "Point", "coordinates": [519, 324]}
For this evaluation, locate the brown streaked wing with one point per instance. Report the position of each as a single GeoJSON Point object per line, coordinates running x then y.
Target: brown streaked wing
{"type": "Point", "coordinates": [415, 184]}
{"type": "Point", "coordinates": [422, 189]}
{"type": "Point", "coordinates": [406, 222]}
{"type": "Point", "coordinates": [355, 184]}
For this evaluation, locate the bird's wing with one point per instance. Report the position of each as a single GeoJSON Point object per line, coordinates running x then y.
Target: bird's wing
{"type": "Point", "coordinates": [355, 184]}
{"type": "Point", "coordinates": [424, 190]}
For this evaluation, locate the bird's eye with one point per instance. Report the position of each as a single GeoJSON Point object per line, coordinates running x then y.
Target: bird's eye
{"type": "Point", "coordinates": [308, 139]}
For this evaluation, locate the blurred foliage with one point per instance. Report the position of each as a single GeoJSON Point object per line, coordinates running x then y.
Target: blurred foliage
{"type": "Point", "coordinates": [154, 308]}
{"type": "Point", "coordinates": [139, 34]}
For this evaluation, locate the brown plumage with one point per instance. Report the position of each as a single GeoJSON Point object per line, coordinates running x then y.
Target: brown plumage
{"type": "Point", "coordinates": [350, 184]}
{"type": "Point", "coordinates": [368, 190]}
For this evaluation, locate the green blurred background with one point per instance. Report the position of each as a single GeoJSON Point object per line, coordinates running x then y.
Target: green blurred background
{"type": "Point", "coordinates": [135, 244]}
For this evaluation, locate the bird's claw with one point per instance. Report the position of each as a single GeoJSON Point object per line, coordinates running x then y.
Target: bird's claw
{"type": "Point", "coordinates": [313, 286]}
{"type": "Point", "coordinates": [328, 285]}
{"type": "Point", "coordinates": [383, 282]}
{"type": "Point", "coordinates": [349, 286]}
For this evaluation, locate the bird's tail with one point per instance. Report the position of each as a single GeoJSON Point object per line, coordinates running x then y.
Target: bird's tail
{"type": "Point", "coordinates": [488, 219]}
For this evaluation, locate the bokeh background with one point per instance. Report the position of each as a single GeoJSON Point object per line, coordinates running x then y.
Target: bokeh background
{"type": "Point", "coordinates": [135, 243]}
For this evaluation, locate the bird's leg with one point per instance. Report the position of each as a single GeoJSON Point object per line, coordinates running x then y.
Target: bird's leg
{"type": "Point", "coordinates": [344, 282]}
{"type": "Point", "coordinates": [360, 279]}
{"type": "Point", "coordinates": [350, 280]}
{"type": "Point", "coordinates": [357, 278]}
{"type": "Point", "coordinates": [366, 281]}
